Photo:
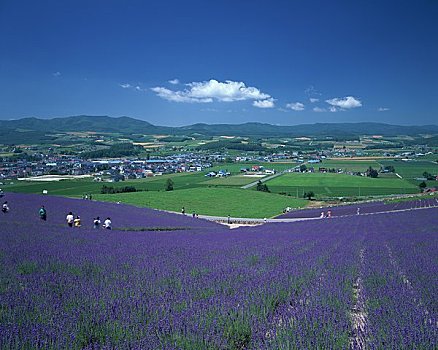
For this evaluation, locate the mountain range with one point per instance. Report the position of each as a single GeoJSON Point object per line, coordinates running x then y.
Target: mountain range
{"type": "Point", "coordinates": [127, 125]}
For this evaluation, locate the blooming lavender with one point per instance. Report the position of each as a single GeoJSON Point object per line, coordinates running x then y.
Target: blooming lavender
{"type": "Point", "coordinates": [364, 208]}
{"type": "Point", "coordinates": [166, 281]}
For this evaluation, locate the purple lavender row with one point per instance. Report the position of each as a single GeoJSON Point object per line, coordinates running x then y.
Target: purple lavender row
{"type": "Point", "coordinates": [394, 316]}
{"type": "Point", "coordinates": [364, 208]}
{"type": "Point", "coordinates": [24, 208]}
{"type": "Point", "coordinates": [275, 286]}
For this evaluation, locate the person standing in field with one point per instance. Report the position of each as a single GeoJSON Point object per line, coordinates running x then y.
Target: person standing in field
{"type": "Point", "coordinates": [329, 214]}
{"type": "Point", "coordinates": [77, 221]}
{"type": "Point", "coordinates": [358, 211]}
{"type": "Point", "coordinates": [96, 223]}
{"type": "Point", "coordinates": [5, 207]}
{"type": "Point", "coordinates": [43, 213]}
{"type": "Point", "coordinates": [70, 219]}
{"type": "Point", "coordinates": [322, 215]}
{"type": "Point", "coordinates": [107, 224]}
{"type": "Point", "coordinates": [183, 211]}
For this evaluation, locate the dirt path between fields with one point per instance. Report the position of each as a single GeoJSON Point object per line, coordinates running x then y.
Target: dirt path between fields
{"type": "Point", "coordinates": [358, 313]}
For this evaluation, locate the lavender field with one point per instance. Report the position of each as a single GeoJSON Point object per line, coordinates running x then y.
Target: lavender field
{"type": "Point", "coordinates": [165, 281]}
{"type": "Point", "coordinates": [364, 208]}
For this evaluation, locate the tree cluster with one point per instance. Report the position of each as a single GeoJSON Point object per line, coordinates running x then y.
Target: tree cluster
{"type": "Point", "coordinates": [262, 187]}
{"type": "Point", "coordinates": [232, 144]}
{"type": "Point", "coordinates": [372, 172]}
{"type": "Point", "coordinates": [428, 176]}
{"type": "Point", "coordinates": [111, 190]}
{"type": "Point", "coordinates": [114, 151]}
{"type": "Point", "coordinates": [169, 185]}
{"type": "Point", "coordinates": [309, 195]}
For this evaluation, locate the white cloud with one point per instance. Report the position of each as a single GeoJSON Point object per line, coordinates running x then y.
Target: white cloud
{"type": "Point", "coordinates": [178, 96]}
{"type": "Point", "coordinates": [133, 87]}
{"type": "Point", "coordinates": [209, 91]}
{"type": "Point", "coordinates": [333, 109]}
{"type": "Point", "coordinates": [383, 109]}
{"type": "Point", "coordinates": [311, 91]}
{"type": "Point", "coordinates": [56, 74]}
{"type": "Point", "coordinates": [269, 103]}
{"type": "Point", "coordinates": [296, 106]}
{"type": "Point", "coordinates": [345, 102]}
{"type": "Point", "coordinates": [313, 100]}
{"type": "Point", "coordinates": [227, 91]}
{"type": "Point", "coordinates": [174, 81]}
{"type": "Point", "coordinates": [319, 109]}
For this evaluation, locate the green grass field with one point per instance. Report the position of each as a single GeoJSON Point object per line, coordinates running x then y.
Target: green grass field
{"type": "Point", "coordinates": [412, 169]}
{"type": "Point", "coordinates": [211, 201]}
{"type": "Point", "coordinates": [431, 157]}
{"type": "Point", "coordinates": [338, 185]}
{"type": "Point", "coordinates": [77, 188]}
{"type": "Point", "coordinates": [235, 180]}
{"type": "Point", "coordinates": [234, 168]}
{"type": "Point", "coordinates": [70, 188]}
{"type": "Point", "coordinates": [348, 165]}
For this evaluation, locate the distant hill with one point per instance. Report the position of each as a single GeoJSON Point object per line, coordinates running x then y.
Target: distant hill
{"type": "Point", "coordinates": [317, 129]}
{"type": "Point", "coordinates": [127, 125]}
{"type": "Point", "coordinates": [123, 125]}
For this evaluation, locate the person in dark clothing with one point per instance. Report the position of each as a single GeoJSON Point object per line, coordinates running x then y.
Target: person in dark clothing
{"type": "Point", "coordinates": [43, 213]}
{"type": "Point", "coordinates": [96, 223]}
{"type": "Point", "coordinates": [5, 207]}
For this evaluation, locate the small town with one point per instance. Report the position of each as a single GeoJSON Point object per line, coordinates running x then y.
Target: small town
{"type": "Point", "coordinates": [57, 167]}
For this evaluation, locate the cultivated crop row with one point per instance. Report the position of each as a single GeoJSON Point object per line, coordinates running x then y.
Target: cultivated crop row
{"type": "Point", "coordinates": [354, 282]}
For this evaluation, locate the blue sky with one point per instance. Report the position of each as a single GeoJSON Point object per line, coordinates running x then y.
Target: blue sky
{"type": "Point", "coordinates": [183, 62]}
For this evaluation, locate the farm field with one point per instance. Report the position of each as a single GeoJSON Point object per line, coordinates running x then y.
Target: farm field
{"type": "Point", "coordinates": [76, 188]}
{"type": "Point", "coordinates": [430, 157]}
{"type": "Point", "coordinates": [412, 169]}
{"type": "Point", "coordinates": [338, 185]}
{"type": "Point", "coordinates": [234, 168]}
{"type": "Point", "coordinates": [211, 201]}
{"type": "Point", "coordinates": [324, 284]}
{"type": "Point", "coordinates": [234, 180]}
{"type": "Point", "coordinates": [348, 165]}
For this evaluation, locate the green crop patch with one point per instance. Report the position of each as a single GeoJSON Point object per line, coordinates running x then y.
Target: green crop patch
{"type": "Point", "coordinates": [219, 201]}
{"type": "Point", "coordinates": [338, 185]}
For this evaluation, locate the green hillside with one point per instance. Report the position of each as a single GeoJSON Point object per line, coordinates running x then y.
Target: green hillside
{"type": "Point", "coordinates": [211, 201]}
{"type": "Point", "coordinates": [338, 185]}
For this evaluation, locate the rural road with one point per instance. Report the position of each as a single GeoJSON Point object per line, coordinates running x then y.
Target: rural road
{"type": "Point", "coordinates": [254, 221]}
{"type": "Point", "coordinates": [252, 184]}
